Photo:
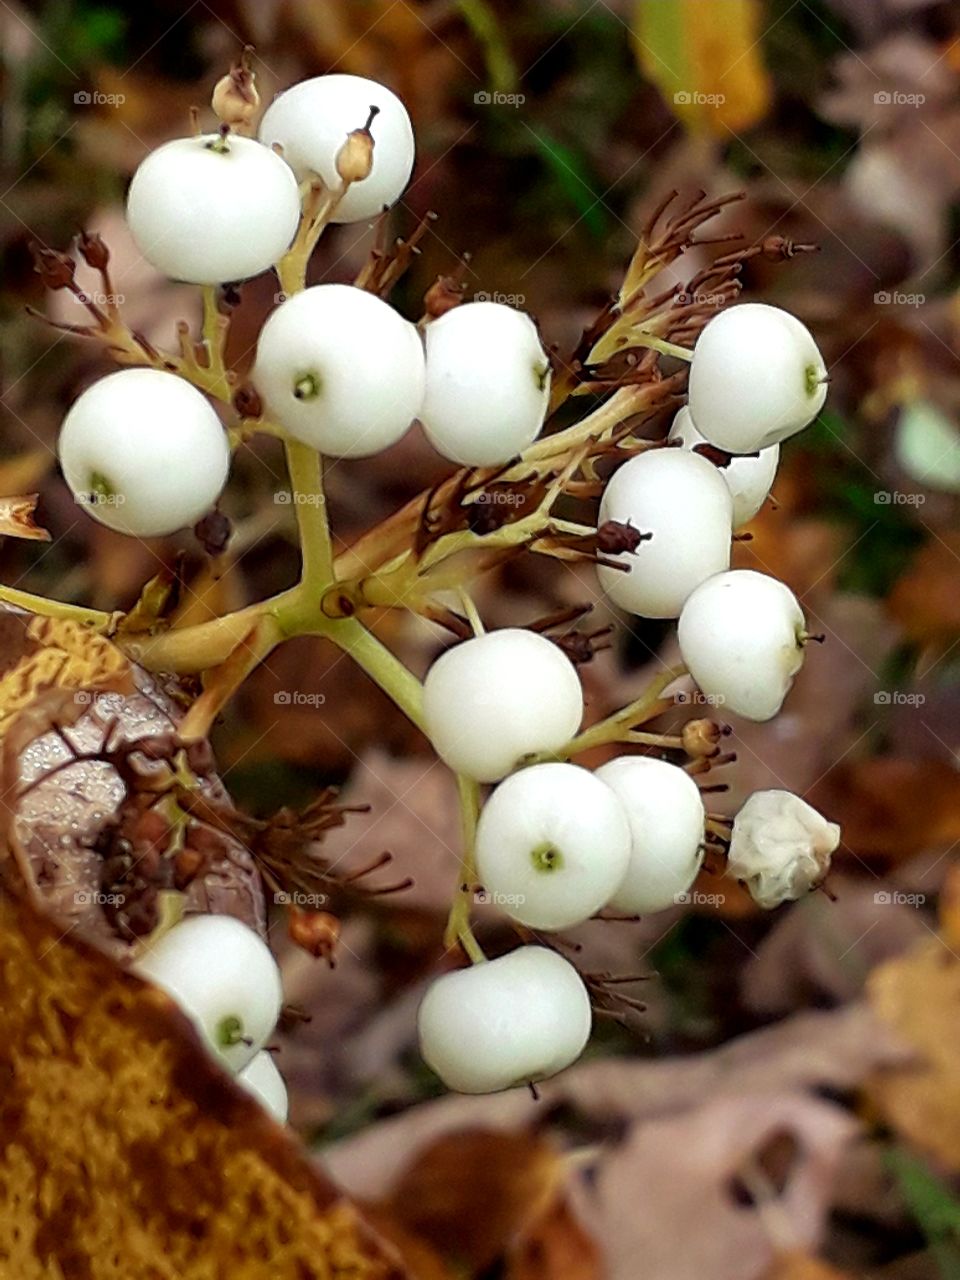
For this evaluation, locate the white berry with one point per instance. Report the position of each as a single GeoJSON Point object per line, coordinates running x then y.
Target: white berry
{"type": "Point", "coordinates": [208, 210]}
{"type": "Point", "coordinates": [504, 1022]}
{"type": "Point", "coordinates": [225, 979]}
{"type": "Point", "coordinates": [666, 816]}
{"type": "Point", "coordinates": [748, 478]}
{"type": "Point", "coordinates": [742, 638]}
{"type": "Point", "coordinates": [311, 122]}
{"type": "Point", "coordinates": [488, 384]}
{"type": "Point", "coordinates": [266, 1084]}
{"type": "Point", "coordinates": [780, 847]}
{"type": "Point", "coordinates": [498, 698]}
{"type": "Point", "coordinates": [553, 844]}
{"type": "Point", "coordinates": [340, 370]}
{"type": "Point", "coordinates": [756, 377]}
{"type": "Point", "coordinates": [681, 499]}
{"type": "Point", "coordinates": [144, 452]}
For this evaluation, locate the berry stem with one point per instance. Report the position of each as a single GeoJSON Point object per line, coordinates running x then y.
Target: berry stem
{"type": "Point", "coordinates": [459, 929]}
{"type": "Point", "coordinates": [620, 727]}
{"type": "Point", "coordinates": [305, 467]}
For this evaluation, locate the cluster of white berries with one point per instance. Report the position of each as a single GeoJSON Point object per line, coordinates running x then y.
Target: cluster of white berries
{"type": "Point", "coordinates": [225, 979]}
{"type": "Point", "coordinates": [336, 367]}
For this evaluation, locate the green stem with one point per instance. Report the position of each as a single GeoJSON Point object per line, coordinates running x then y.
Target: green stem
{"type": "Point", "coordinates": [661, 345]}
{"type": "Point", "coordinates": [382, 666]}
{"type": "Point", "coordinates": [458, 927]}
{"type": "Point", "coordinates": [620, 726]}
{"type": "Point", "coordinates": [96, 619]}
{"type": "Point", "coordinates": [305, 467]}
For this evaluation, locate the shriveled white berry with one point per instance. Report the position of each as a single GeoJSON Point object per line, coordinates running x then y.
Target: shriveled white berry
{"type": "Point", "coordinates": [340, 370]}
{"type": "Point", "coordinates": [681, 499]}
{"type": "Point", "coordinates": [311, 122]}
{"type": "Point", "coordinates": [553, 844]}
{"type": "Point", "coordinates": [780, 847]}
{"type": "Point", "coordinates": [225, 979]}
{"type": "Point", "coordinates": [144, 452]}
{"type": "Point", "coordinates": [742, 637]}
{"type": "Point", "coordinates": [504, 1022]}
{"type": "Point", "coordinates": [488, 384]}
{"type": "Point", "coordinates": [266, 1084]}
{"type": "Point", "coordinates": [209, 209]}
{"type": "Point", "coordinates": [493, 700]}
{"type": "Point", "coordinates": [748, 478]}
{"type": "Point", "coordinates": [756, 377]}
{"type": "Point", "coordinates": [666, 816]}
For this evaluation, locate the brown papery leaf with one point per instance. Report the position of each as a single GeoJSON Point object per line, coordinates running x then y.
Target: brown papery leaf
{"type": "Point", "coordinates": [129, 1152]}
{"type": "Point", "coordinates": [16, 518]}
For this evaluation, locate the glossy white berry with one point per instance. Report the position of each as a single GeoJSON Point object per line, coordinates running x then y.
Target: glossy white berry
{"type": "Point", "coordinates": [748, 478]}
{"type": "Point", "coordinates": [225, 979]}
{"type": "Point", "coordinates": [681, 499]}
{"type": "Point", "coordinates": [756, 377]}
{"type": "Point", "coordinates": [780, 847]}
{"type": "Point", "coordinates": [504, 1022]}
{"type": "Point", "coordinates": [666, 817]}
{"type": "Point", "coordinates": [144, 452]}
{"type": "Point", "coordinates": [553, 844]}
{"type": "Point", "coordinates": [311, 122]}
{"type": "Point", "coordinates": [742, 638]}
{"type": "Point", "coordinates": [266, 1084]}
{"type": "Point", "coordinates": [493, 700]}
{"type": "Point", "coordinates": [208, 210]}
{"type": "Point", "coordinates": [488, 384]}
{"type": "Point", "coordinates": [340, 370]}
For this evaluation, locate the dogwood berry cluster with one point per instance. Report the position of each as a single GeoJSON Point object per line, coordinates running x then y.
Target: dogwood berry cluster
{"type": "Point", "coordinates": [338, 371]}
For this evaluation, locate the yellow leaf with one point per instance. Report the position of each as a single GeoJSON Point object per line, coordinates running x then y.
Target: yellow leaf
{"type": "Point", "coordinates": [705, 58]}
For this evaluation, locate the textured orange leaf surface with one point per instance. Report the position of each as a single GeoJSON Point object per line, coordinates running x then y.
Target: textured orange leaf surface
{"type": "Point", "coordinates": [128, 1153]}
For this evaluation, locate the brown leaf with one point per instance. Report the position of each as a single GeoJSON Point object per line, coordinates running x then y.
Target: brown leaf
{"type": "Point", "coordinates": [16, 518]}
{"type": "Point", "coordinates": [925, 599]}
{"type": "Point", "coordinates": [918, 996]}
{"type": "Point", "coordinates": [800, 1266]}
{"type": "Point", "coordinates": [129, 1152]}
{"type": "Point", "coordinates": [558, 1247]}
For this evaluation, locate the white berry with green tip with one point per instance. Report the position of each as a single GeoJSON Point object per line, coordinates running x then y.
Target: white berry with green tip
{"type": "Point", "coordinates": [666, 816]}
{"type": "Point", "coordinates": [505, 1022]}
{"type": "Point", "coordinates": [757, 377]}
{"type": "Point", "coordinates": [224, 977]}
{"type": "Point", "coordinates": [488, 384]}
{"type": "Point", "coordinates": [553, 845]}
{"type": "Point", "coordinates": [742, 636]}
{"type": "Point", "coordinates": [211, 209]}
{"type": "Point", "coordinates": [749, 478]}
{"type": "Point", "coordinates": [492, 701]}
{"type": "Point", "coordinates": [681, 500]}
{"type": "Point", "coordinates": [340, 370]}
{"type": "Point", "coordinates": [144, 452]}
{"type": "Point", "coordinates": [311, 122]}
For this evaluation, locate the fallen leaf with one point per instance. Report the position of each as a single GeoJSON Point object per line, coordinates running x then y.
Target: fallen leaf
{"type": "Point", "coordinates": [801, 1266]}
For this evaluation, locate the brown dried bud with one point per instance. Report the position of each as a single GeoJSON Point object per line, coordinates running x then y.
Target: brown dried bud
{"type": "Point", "coordinates": [235, 97]}
{"type": "Point", "coordinates": [213, 532]}
{"type": "Point", "coordinates": [355, 157]}
{"type": "Point", "coordinates": [614, 537]}
{"type": "Point", "coordinates": [443, 295]}
{"type": "Point", "coordinates": [779, 248]}
{"type": "Point", "coordinates": [701, 738]}
{"type": "Point", "coordinates": [187, 865]}
{"type": "Point", "coordinates": [55, 269]}
{"type": "Point", "coordinates": [93, 250]}
{"type": "Point", "coordinates": [247, 402]}
{"type": "Point", "coordinates": [317, 932]}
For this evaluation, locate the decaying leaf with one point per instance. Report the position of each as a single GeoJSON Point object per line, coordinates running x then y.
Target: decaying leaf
{"type": "Point", "coordinates": [918, 995]}
{"type": "Point", "coordinates": [16, 518]}
{"type": "Point", "coordinates": [128, 1152]}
